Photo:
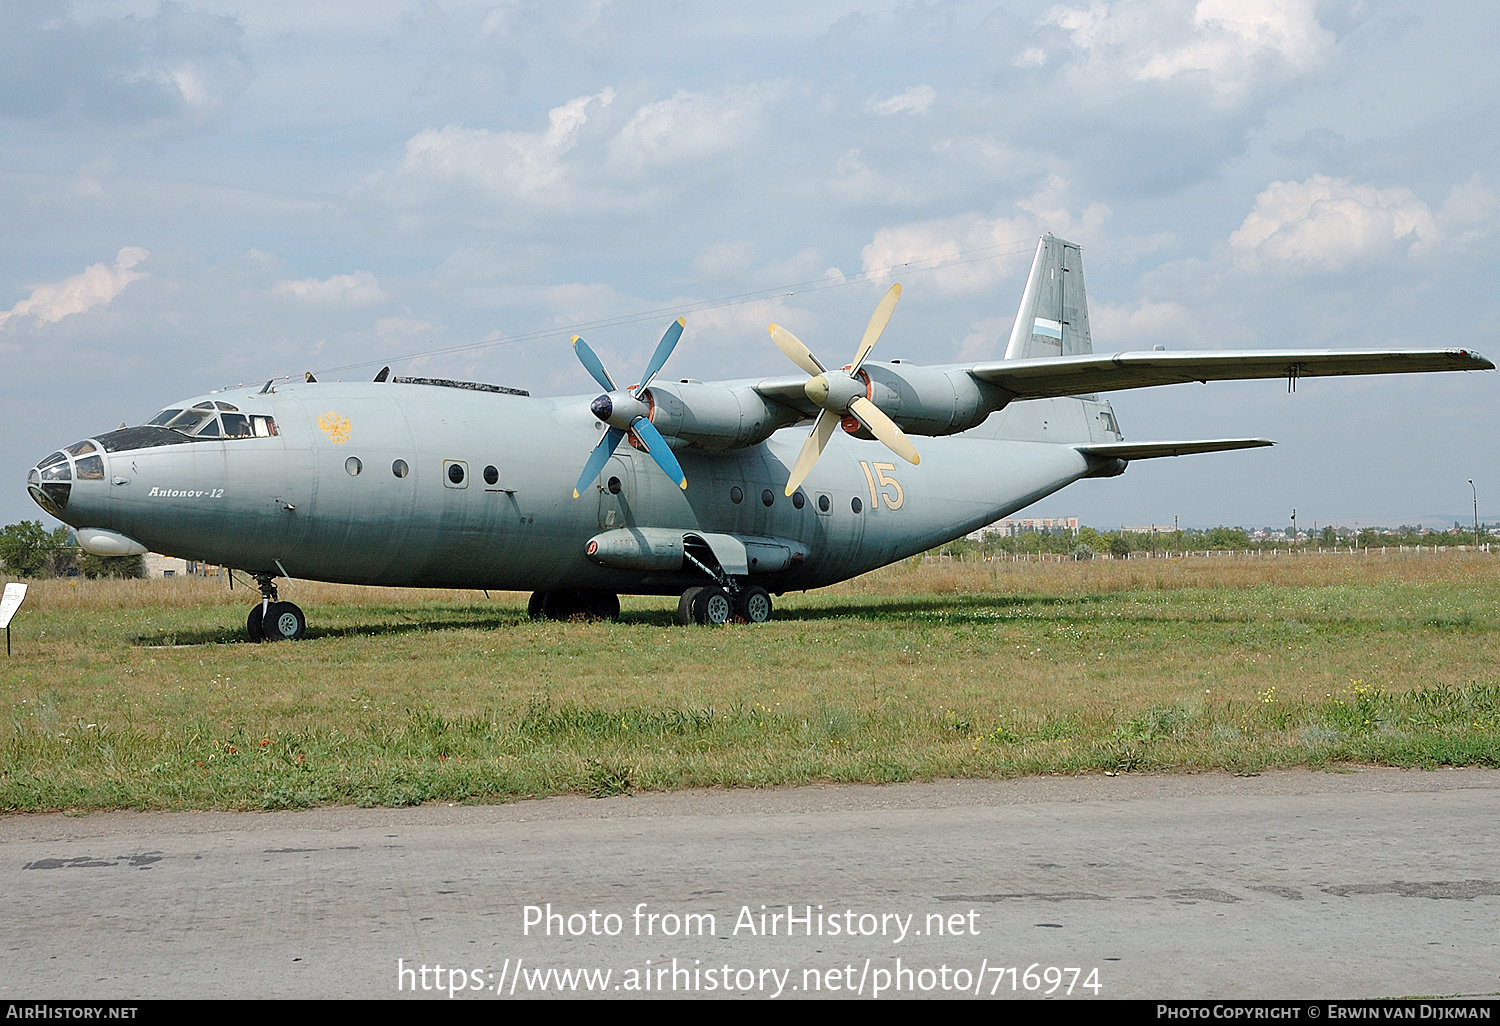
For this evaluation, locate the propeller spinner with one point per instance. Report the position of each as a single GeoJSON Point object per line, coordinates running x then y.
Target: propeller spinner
{"type": "Point", "coordinates": [626, 414]}
{"type": "Point", "coordinates": [840, 393]}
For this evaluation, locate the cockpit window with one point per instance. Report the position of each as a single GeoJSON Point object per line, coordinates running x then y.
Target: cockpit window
{"type": "Point", "coordinates": [204, 421]}
{"type": "Point", "coordinates": [236, 425]}
{"type": "Point", "coordinates": [91, 468]}
{"type": "Point", "coordinates": [81, 448]}
{"type": "Point", "coordinates": [187, 420]}
{"type": "Point", "coordinates": [56, 457]}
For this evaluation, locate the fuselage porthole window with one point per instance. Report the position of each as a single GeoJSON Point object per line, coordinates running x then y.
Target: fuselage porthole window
{"type": "Point", "coordinates": [736, 496]}
{"type": "Point", "coordinates": [455, 474]}
{"type": "Point", "coordinates": [824, 503]}
{"type": "Point", "coordinates": [353, 466]}
{"type": "Point", "coordinates": [855, 504]}
{"type": "Point", "coordinates": [491, 475]}
{"type": "Point", "coordinates": [615, 486]}
{"type": "Point", "coordinates": [767, 497]}
{"type": "Point", "coordinates": [399, 468]}
{"type": "Point", "coordinates": [798, 499]}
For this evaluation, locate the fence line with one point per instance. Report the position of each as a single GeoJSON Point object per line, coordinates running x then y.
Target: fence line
{"type": "Point", "coordinates": [1275, 553]}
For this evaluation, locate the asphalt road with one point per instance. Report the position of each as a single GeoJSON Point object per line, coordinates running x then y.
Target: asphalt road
{"type": "Point", "coordinates": [1288, 885]}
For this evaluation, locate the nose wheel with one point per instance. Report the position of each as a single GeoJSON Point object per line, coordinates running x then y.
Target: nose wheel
{"type": "Point", "coordinates": [273, 620]}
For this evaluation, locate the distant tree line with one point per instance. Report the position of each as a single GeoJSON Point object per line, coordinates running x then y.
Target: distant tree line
{"type": "Point", "coordinates": [28, 549]}
{"type": "Point", "coordinates": [1090, 541]}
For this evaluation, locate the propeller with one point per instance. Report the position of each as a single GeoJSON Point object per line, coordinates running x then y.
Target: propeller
{"type": "Point", "coordinates": [626, 414]}
{"type": "Point", "coordinates": [841, 393]}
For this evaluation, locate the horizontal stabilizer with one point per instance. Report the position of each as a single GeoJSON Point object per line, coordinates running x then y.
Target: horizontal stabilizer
{"type": "Point", "coordinates": [1078, 375]}
{"type": "Point", "coordinates": [1151, 450]}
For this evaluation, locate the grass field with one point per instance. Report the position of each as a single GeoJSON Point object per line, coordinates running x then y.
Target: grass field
{"type": "Point", "coordinates": [142, 694]}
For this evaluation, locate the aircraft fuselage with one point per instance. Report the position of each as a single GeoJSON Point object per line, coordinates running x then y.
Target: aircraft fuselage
{"type": "Point", "coordinates": [387, 484]}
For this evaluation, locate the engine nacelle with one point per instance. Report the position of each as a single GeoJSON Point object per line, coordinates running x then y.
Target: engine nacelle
{"type": "Point", "coordinates": [929, 400]}
{"type": "Point", "coordinates": [715, 417]}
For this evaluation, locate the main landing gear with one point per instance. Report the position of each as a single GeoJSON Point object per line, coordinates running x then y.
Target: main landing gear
{"type": "Point", "coordinates": [273, 620]}
{"type": "Point", "coordinates": [568, 605]}
{"type": "Point", "coordinates": [715, 605]}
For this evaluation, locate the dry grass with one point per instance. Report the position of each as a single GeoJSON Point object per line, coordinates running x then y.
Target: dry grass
{"type": "Point", "coordinates": [142, 694]}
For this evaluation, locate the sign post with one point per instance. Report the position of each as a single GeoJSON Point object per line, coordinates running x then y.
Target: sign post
{"type": "Point", "coordinates": [9, 603]}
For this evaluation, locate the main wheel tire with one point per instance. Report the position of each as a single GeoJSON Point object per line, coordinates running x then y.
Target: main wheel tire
{"type": "Point", "coordinates": [253, 629]}
{"type": "Point", "coordinates": [284, 622]}
{"type": "Point", "coordinates": [561, 605]}
{"type": "Point", "coordinates": [713, 607]}
{"type": "Point", "coordinates": [603, 605]}
{"type": "Point", "coordinates": [685, 607]}
{"type": "Point", "coordinates": [534, 607]}
{"type": "Point", "coordinates": [753, 605]}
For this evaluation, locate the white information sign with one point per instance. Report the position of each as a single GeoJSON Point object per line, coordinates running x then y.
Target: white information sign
{"type": "Point", "coordinates": [11, 601]}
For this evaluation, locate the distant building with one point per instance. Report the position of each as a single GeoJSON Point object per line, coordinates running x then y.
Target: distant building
{"type": "Point", "coordinates": [154, 564]}
{"type": "Point", "coordinates": [1009, 528]}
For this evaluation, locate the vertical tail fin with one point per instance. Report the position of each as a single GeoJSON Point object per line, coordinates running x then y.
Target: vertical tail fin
{"type": "Point", "coordinates": [1054, 316]}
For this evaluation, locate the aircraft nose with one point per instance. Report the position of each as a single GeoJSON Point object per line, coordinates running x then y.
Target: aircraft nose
{"type": "Point", "coordinates": [52, 482]}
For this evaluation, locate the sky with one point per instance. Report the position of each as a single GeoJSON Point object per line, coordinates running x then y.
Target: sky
{"type": "Point", "coordinates": [198, 194]}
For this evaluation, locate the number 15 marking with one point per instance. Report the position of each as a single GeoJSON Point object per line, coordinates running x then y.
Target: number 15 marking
{"type": "Point", "coordinates": [892, 502]}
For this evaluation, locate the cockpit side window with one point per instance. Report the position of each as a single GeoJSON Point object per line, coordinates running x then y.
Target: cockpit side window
{"type": "Point", "coordinates": [162, 418]}
{"type": "Point", "coordinates": [81, 448]}
{"type": "Point", "coordinates": [210, 429]}
{"type": "Point", "coordinates": [236, 425]}
{"type": "Point", "coordinates": [187, 420]}
{"type": "Point", "coordinates": [264, 427]}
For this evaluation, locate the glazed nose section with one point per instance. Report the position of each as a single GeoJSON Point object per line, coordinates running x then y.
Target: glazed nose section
{"type": "Point", "coordinates": [50, 483]}
{"type": "Point", "coordinates": [70, 476]}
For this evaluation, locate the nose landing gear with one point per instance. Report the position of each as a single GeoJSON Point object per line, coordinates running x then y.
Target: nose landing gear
{"type": "Point", "coordinates": [273, 620]}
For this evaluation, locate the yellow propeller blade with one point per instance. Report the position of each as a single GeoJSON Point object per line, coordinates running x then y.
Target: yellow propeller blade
{"type": "Point", "coordinates": [798, 353]}
{"type": "Point", "coordinates": [883, 428]}
{"type": "Point", "coordinates": [878, 321]}
{"type": "Point", "coordinates": [823, 429]}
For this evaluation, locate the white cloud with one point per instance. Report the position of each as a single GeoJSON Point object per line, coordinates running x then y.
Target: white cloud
{"type": "Point", "coordinates": [1233, 43]}
{"type": "Point", "coordinates": [690, 126]}
{"type": "Point", "coordinates": [1115, 327]}
{"type": "Point", "coordinates": [95, 286]}
{"type": "Point", "coordinates": [976, 252]}
{"type": "Point", "coordinates": [525, 165]}
{"type": "Point", "coordinates": [357, 289]}
{"type": "Point", "coordinates": [1331, 223]}
{"type": "Point", "coordinates": [916, 100]}
{"type": "Point", "coordinates": [854, 183]}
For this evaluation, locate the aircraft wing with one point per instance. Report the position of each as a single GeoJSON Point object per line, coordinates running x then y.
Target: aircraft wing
{"type": "Point", "coordinates": [788, 391]}
{"type": "Point", "coordinates": [1151, 450]}
{"type": "Point", "coordinates": [1079, 375]}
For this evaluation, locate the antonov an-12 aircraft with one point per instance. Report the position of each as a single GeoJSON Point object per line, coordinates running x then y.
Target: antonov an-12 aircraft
{"type": "Point", "coordinates": [707, 490]}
